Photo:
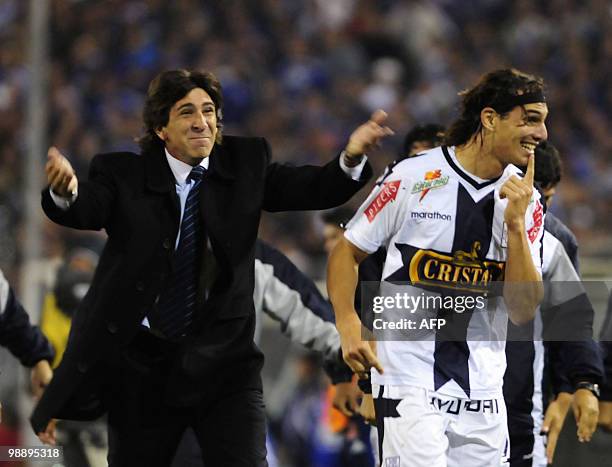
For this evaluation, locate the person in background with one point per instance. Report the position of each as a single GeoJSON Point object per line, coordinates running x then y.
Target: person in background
{"type": "Point", "coordinates": [85, 443]}
{"type": "Point", "coordinates": [24, 340]}
{"type": "Point", "coordinates": [605, 341]}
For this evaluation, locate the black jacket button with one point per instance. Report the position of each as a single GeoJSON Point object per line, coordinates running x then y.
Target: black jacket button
{"type": "Point", "coordinates": [112, 327]}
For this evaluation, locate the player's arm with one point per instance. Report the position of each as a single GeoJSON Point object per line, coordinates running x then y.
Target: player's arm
{"type": "Point", "coordinates": [342, 275]}
{"type": "Point", "coordinates": [523, 288]}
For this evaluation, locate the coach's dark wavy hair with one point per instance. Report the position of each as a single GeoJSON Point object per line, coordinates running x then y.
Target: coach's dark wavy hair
{"type": "Point", "coordinates": [165, 90]}
{"type": "Point", "coordinates": [496, 90]}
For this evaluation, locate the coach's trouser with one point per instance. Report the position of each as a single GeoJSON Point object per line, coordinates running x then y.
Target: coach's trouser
{"type": "Point", "coordinates": [420, 428]}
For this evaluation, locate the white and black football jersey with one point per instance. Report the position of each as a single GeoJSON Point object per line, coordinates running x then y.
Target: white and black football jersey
{"type": "Point", "coordinates": [444, 232]}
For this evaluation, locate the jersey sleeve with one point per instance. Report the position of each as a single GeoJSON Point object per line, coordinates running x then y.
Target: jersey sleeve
{"type": "Point", "coordinates": [380, 216]}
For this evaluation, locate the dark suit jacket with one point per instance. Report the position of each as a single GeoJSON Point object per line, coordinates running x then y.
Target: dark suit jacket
{"type": "Point", "coordinates": [134, 198]}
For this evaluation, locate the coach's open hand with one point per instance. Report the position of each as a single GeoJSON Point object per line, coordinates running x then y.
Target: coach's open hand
{"type": "Point", "coordinates": [367, 136]}
{"type": "Point", "coordinates": [60, 174]}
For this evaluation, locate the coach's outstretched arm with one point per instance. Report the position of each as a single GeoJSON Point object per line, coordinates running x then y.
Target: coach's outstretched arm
{"type": "Point", "coordinates": [523, 290]}
{"type": "Point", "coordinates": [342, 275]}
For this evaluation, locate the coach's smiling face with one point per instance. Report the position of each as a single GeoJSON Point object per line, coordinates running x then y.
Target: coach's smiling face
{"type": "Point", "coordinates": [515, 135]}
{"type": "Point", "coordinates": [191, 130]}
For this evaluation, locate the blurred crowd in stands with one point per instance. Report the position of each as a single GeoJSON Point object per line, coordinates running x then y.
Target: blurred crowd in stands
{"type": "Point", "coordinates": [302, 74]}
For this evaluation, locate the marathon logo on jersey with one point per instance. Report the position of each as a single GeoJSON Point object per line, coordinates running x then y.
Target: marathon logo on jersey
{"type": "Point", "coordinates": [387, 193]}
{"type": "Point", "coordinates": [433, 179]}
{"type": "Point", "coordinates": [462, 271]}
{"type": "Point", "coordinates": [433, 215]}
{"type": "Point", "coordinates": [538, 218]}
{"type": "Point", "coordinates": [392, 461]}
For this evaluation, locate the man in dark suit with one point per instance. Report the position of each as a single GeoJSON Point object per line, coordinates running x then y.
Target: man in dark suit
{"type": "Point", "coordinates": [164, 338]}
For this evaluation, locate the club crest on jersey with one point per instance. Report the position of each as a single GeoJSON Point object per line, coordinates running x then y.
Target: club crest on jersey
{"type": "Point", "coordinates": [387, 193]}
{"type": "Point", "coordinates": [433, 179]}
{"type": "Point", "coordinates": [461, 271]}
{"type": "Point", "coordinates": [538, 217]}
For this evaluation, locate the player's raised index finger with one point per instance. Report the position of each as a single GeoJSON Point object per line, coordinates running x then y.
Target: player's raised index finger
{"type": "Point", "coordinates": [529, 174]}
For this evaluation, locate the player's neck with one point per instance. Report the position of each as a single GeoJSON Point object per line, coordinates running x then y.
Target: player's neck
{"type": "Point", "coordinates": [478, 160]}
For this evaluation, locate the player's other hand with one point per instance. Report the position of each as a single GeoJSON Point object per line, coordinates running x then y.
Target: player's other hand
{"type": "Point", "coordinates": [553, 422]}
{"type": "Point", "coordinates": [586, 411]}
{"type": "Point", "coordinates": [357, 352]}
{"type": "Point", "coordinates": [48, 436]}
{"type": "Point", "coordinates": [346, 398]}
{"type": "Point", "coordinates": [40, 376]}
{"type": "Point", "coordinates": [368, 135]}
{"type": "Point", "coordinates": [60, 174]}
{"type": "Point", "coordinates": [518, 192]}
{"type": "Point", "coordinates": [366, 410]}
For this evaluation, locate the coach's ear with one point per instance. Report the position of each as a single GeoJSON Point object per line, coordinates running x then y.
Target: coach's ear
{"type": "Point", "coordinates": [161, 133]}
{"type": "Point", "coordinates": [488, 118]}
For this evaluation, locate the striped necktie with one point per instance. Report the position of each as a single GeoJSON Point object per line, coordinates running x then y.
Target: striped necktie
{"type": "Point", "coordinates": [177, 302]}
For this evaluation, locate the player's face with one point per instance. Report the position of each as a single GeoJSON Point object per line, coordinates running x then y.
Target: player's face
{"type": "Point", "coordinates": [519, 132]}
{"type": "Point", "coordinates": [191, 130]}
{"type": "Point", "coordinates": [331, 235]}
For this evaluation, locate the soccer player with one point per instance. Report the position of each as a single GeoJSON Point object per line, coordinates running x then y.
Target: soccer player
{"type": "Point", "coordinates": [460, 216]}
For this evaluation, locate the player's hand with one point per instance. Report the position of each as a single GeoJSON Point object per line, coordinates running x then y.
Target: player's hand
{"type": "Point", "coordinates": [605, 416]}
{"type": "Point", "coordinates": [48, 436]}
{"type": "Point", "coordinates": [346, 398]}
{"type": "Point", "coordinates": [586, 411]}
{"type": "Point", "coordinates": [366, 410]}
{"type": "Point", "coordinates": [553, 422]}
{"type": "Point", "coordinates": [40, 376]}
{"type": "Point", "coordinates": [368, 135]}
{"type": "Point", "coordinates": [356, 351]}
{"type": "Point", "coordinates": [60, 174]}
{"type": "Point", "coordinates": [518, 192]}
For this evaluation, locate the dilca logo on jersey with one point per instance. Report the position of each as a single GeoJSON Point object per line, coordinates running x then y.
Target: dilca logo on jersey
{"type": "Point", "coordinates": [433, 179]}
{"type": "Point", "coordinates": [387, 193]}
